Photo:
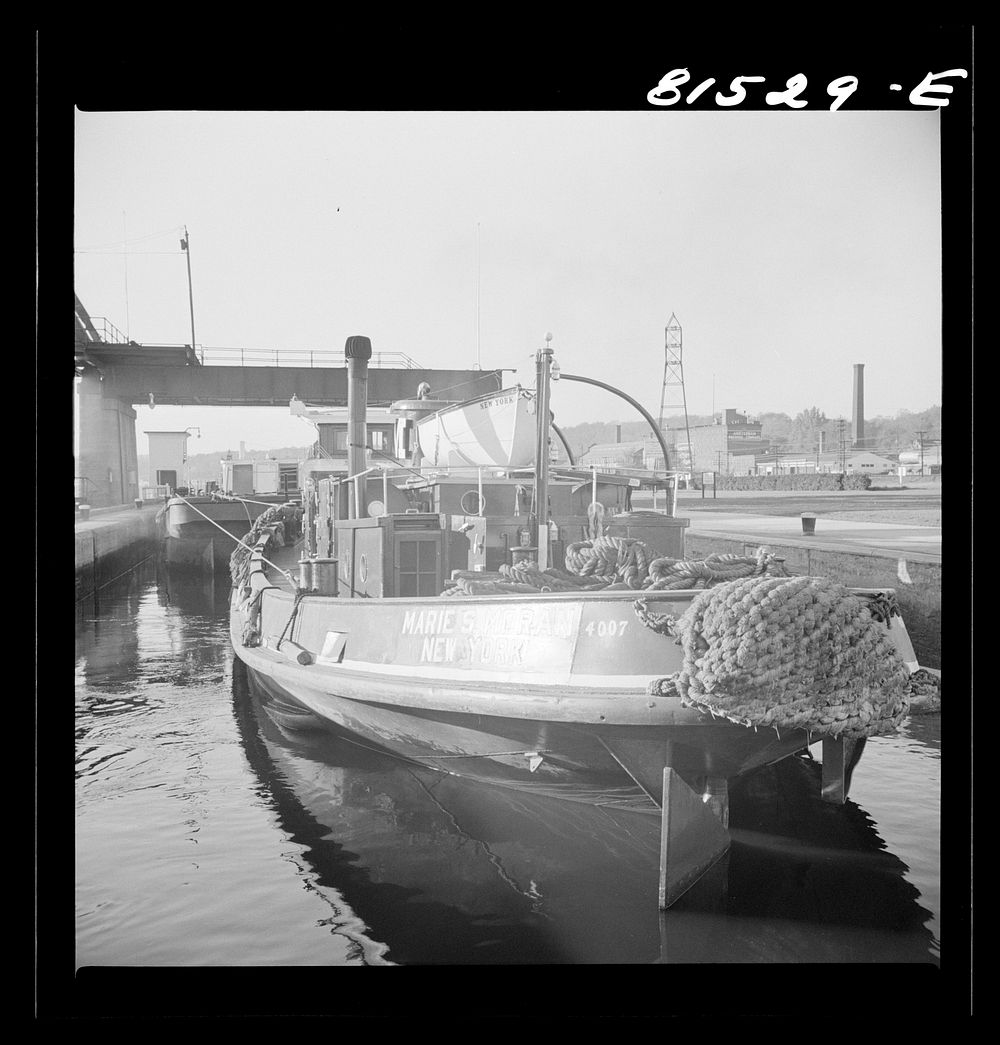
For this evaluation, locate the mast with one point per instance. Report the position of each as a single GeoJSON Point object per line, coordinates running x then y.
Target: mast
{"type": "Point", "coordinates": [543, 364]}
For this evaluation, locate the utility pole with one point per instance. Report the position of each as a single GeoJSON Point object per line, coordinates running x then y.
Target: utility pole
{"type": "Point", "coordinates": [920, 436]}
{"type": "Point", "coordinates": [479, 279]}
{"type": "Point", "coordinates": [185, 246]}
{"type": "Point", "coordinates": [841, 429]}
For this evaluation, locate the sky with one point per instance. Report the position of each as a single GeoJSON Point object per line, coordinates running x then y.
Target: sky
{"type": "Point", "coordinates": [790, 246]}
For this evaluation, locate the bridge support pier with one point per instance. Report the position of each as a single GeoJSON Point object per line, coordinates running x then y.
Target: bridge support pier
{"type": "Point", "coordinates": [106, 456]}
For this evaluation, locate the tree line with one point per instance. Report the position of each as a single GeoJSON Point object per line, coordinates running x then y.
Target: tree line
{"type": "Point", "coordinates": [784, 432]}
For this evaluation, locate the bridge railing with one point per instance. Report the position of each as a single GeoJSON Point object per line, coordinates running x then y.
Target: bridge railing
{"type": "Point", "coordinates": [298, 357]}
{"type": "Point", "coordinates": [107, 331]}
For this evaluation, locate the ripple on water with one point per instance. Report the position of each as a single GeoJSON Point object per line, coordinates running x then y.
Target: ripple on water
{"type": "Point", "coordinates": [206, 836]}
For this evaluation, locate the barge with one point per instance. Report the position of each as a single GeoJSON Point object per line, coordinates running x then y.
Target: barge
{"type": "Point", "coordinates": [202, 530]}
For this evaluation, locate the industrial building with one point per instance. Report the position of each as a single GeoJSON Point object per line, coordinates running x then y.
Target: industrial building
{"type": "Point", "coordinates": [616, 455]}
{"type": "Point", "coordinates": [713, 447]}
{"type": "Point", "coordinates": [785, 462]}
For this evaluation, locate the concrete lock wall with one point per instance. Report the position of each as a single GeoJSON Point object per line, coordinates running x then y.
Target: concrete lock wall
{"type": "Point", "coordinates": [110, 545]}
{"type": "Point", "coordinates": [917, 583]}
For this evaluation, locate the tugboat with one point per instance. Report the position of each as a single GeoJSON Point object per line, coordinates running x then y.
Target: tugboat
{"type": "Point", "coordinates": [505, 622]}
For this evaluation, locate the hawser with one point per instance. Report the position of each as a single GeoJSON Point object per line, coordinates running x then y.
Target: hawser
{"type": "Point", "coordinates": [564, 649]}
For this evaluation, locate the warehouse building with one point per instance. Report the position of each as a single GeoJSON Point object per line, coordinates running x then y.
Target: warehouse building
{"type": "Point", "coordinates": [714, 447]}
{"type": "Point", "coordinates": [862, 462]}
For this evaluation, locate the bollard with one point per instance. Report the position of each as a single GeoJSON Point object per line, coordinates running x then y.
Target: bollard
{"type": "Point", "coordinates": [808, 522]}
{"type": "Point", "coordinates": [138, 502]}
{"type": "Point", "coordinates": [84, 511]}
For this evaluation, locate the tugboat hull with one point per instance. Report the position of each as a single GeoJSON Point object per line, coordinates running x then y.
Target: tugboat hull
{"type": "Point", "coordinates": [538, 705]}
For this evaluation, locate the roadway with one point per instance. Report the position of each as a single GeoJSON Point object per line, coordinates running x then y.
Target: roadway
{"type": "Point", "coordinates": [830, 534]}
{"type": "Point", "coordinates": [765, 518]}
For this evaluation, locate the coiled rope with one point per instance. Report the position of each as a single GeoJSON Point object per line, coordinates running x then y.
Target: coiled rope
{"type": "Point", "coordinates": [925, 692]}
{"type": "Point", "coordinates": [616, 564]}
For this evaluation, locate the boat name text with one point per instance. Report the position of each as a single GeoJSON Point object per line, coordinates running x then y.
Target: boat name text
{"type": "Point", "coordinates": [514, 622]}
{"type": "Point", "coordinates": [498, 636]}
{"type": "Point", "coordinates": [506, 401]}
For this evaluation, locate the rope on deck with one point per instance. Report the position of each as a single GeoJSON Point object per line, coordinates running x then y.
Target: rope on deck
{"type": "Point", "coordinates": [616, 564]}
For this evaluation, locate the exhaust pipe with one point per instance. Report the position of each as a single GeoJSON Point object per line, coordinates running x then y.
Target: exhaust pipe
{"type": "Point", "coordinates": [357, 351]}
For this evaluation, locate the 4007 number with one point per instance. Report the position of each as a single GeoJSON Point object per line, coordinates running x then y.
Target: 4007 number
{"type": "Point", "coordinates": [604, 628]}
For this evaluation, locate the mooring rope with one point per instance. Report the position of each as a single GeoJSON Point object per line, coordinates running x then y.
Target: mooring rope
{"type": "Point", "coordinates": [243, 500]}
{"type": "Point", "coordinates": [239, 561]}
{"type": "Point", "coordinates": [299, 595]}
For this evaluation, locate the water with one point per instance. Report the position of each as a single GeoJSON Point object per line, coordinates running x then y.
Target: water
{"type": "Point", "coordinates": [209, 834]}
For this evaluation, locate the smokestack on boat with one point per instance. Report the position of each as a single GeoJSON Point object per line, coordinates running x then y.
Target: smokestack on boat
{"type": "Point", "coordinates": [357, 351]}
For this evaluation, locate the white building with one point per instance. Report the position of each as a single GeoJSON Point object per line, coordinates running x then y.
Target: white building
{"type": "Point", "coordinates": [867, 463]}
{"type": "Point", "coordinates": [167, 455]}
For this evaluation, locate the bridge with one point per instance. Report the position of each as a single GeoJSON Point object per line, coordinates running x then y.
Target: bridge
{"type": "Point", "coordinates": [114, 374]}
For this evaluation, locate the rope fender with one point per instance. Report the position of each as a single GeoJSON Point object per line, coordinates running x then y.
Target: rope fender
{"type": "Point", "coordinates": [278, 516]}
{"type": "Point", "coordinates": [789, 653]}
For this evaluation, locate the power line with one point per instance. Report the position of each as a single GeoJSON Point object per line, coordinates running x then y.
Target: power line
{"type": "Point", "coordinates": [134, 253]}
{"type": "Point", "coordinates": [138, 239]}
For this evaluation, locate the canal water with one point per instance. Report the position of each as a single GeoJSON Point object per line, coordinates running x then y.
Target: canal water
{"type": "Point", "coordinates": [210, 832]}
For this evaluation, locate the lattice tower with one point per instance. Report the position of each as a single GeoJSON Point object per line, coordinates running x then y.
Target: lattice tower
{"type": "Point", "coordinates": [673, 396]}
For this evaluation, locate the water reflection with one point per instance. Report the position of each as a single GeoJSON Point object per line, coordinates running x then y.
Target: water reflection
{"type": "Point", "coordinates": [444, 870]}
{"type": "Point", "coordinates": [212, 829]}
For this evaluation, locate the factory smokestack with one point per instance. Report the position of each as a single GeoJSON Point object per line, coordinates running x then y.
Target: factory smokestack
{"type": "Point", "coordinates": [858, 417]}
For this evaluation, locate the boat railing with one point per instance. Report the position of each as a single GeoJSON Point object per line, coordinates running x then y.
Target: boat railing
{"type": "Point", "coordinates": [428, 474]}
